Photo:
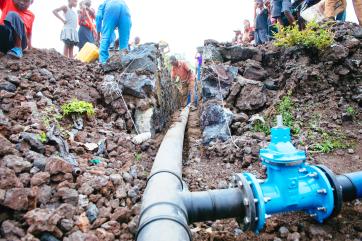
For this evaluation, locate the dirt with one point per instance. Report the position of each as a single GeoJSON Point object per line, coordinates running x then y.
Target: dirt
{"type": "Point", "coordinates": [41, 199]}
{"type": "Point", "coordinates": [319, 104]}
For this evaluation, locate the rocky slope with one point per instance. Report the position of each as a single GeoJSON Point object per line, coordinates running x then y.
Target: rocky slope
{"type": "Point", "coordinates": [40, 197]}
{"type": "Point", "coordinates": [319, 94]}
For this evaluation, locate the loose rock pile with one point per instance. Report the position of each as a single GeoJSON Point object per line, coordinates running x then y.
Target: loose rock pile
{"type": "Point", "coordinates": [251, 82]}
{"type": "Point", "coordinates": [40, 197]}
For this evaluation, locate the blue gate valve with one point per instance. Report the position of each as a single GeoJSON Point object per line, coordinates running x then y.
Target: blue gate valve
{"type": "Point", "coordinates": [291, 184]}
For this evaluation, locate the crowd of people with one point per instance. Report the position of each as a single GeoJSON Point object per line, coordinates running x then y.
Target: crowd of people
{"type": "Point", "coordinates": [88, 26]}
{"type": "Point", "coordinates": [79, 27]}
{"type": "Point", "coordinates": [268, 14]}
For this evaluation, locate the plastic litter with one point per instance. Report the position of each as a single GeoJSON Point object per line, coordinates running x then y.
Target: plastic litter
{"type": "Point", "coordinates": [88, 53]}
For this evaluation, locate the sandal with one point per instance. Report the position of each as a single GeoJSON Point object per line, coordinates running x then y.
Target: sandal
{"type": "Point", "coordinates": [16, 53]}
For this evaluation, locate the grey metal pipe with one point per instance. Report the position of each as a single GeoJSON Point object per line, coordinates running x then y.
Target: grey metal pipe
{"type": "Point", "coordinates": [163, 213]}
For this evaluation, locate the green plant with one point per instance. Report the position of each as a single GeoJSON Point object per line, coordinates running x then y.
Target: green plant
{"type": "Point", "coordinates": [260, 126]}
{"type": "Point", "coordinates": [330, 142]}
{"type": "Point", "coordinates": [50, 116]}
{"type": "Point", "coordinates": [284, 108]}
{"type": "Point", "coordinates": [138, 157]}
{"type": "Point", "coordinates": [314, 35]}
{"type": "Point", "coordinates": [78, 107]}
{"type": "Point", "coordinates": [351, 111]}
{"type": "Point", "coordinates": [42, 137]}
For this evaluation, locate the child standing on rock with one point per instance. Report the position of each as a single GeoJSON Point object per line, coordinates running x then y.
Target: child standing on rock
{"type": "Point", "coordinates": [69, 34]}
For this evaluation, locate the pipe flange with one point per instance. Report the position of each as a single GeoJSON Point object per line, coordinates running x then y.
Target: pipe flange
{"type": "Point", "coordinates": [259, 200]}
{"type": "Point", "coordinates": [337, 190]}
{"type": "Point", "coordinates": [249, 222]}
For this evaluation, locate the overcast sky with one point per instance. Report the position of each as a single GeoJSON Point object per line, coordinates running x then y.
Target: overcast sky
{"type": "Point", "coordinates": [184, 24]}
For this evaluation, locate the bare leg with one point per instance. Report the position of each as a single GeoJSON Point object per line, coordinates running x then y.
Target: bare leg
{"type": "Point", "coordinates": [290, 17]}
{"type": "Point", "coordinates": [71, 51]}
{"type": "Point", "coordinates": [357, 5]}
{"type": "Point", "coordinates": [66, 51]}
{"type": "Point", "coordinates": [17, 42]}
{"type": "Point", "coordinates": [280, 21]}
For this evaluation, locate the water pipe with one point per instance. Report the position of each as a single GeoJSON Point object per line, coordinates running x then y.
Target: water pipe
{"type": "Point", "coordinates": [291, 185]}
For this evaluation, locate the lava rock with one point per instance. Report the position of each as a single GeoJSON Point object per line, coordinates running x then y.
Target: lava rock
{"type": "Point", "coordinates": [319, 231]}
{"type": "Point", "coordinates": [92, 212]}
{"type": "Point", "coordinates": [252, 97]}
{"type": "Point", "coordinates": [11, 230]}
{"type": "Point", "coordinates": [6, 147]}
{"type": "Point", "coordinates": [40, 178]}
{"type": "Point", "coordinates": [121, 215]}
{"type": "Point", "coordinates": [38, 160]}
{"type": "Point", "coordinates": [13, 79]}
{"type": "Point", "coordinates": [283, 232]}
{"type": "Point", "coordinates": [138, 86]}
{"type": "Point", "coordinates": [217, 82]}
{"type": "Point", "coordinates": [6, 85]}
{"type": "Point", "coordinates": [17, 199]}
{"type": "Point", "coordinates": [8, 179]}
{"type": "Point", "coordinates": [18, 164]}
{"type": "Point", "coordinates": [142, 58]}
{"type": "Point", "coordinates": [33, 140]}
{"type": "Point", "coordinates": [44, 194]}
{"type": "Point", "coordinates": [215, 122]}
{"type": "Point", "coordinates": [239, 53]}
{"type": "Point", "coordinates": [335, 52]}
{"type": "Point", "coordinates": [68, 195]}
{"type": "Point", "coordinates": [211, 54]}
{"type": "Point", "coordinates": [48, 237]}
{"type": "Point", "coordinates": [254, 71]}
{"type": "Point", "coordinates": [56, 165]}
{"type": "Point", "coordinates": [66, 224]}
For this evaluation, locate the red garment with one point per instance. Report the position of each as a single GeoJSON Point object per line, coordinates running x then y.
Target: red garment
{"type": "Point", "coordinates": [86, 21]}
{"type": "Point", "coordinates": [182, 71]}
{"type": "Point", "coordinates": [27, 16]}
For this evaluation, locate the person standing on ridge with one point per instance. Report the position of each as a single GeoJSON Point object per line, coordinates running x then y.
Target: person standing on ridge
{"type": "Point", "coordinates": [187, 78]}
{"type": "Point", "coordinates": [335, 7]}
{"type": "Point", "coordinates": [86, 17]}
{"type": "Point", "coordinates": [113, 14]}
{"type": "Point", "coordinates": [16, 25]}
{"type": "Point", "coordinates": [248, 34]}
{"type": "Point", "coordinates": [135, 44]}
{"type": "Point", "coordinates": [69, 34]}
{"type": "Point", "coordinates": [261, 22]}
{"type": "Point", "coordinates": [280, 7]}
{"type": "Point", "coordinates": [199, 61]}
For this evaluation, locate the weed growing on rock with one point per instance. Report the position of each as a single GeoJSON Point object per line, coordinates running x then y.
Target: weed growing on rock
{"type": "Point", "coordinates": [284, 108]}
{"type": "Point", "coordinates": [138, 157]}
{"type": "Point", "coordinates": [314, 35]}
{"type": "Point", "coordinates": [260, 126]}
{"type": "Point", "coordinates": [50, 116]}
{"type": "Point", "coordinates": [351, 111]}
{"type": "Point", "coordinates": [330, 142]}
{"type": "Point", "coordinates": [78, 107]}
{"type": "Point", "coordinates": [42, 137]}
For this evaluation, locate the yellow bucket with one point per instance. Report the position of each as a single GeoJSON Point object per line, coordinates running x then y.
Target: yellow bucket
{"type": "Point", "coordinates": [88, 53]}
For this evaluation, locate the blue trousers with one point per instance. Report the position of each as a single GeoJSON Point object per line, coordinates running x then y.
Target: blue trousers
{"type": "Point", "coordinates": [116, 15]}
{"type": "Point", "coordinates": [13, 26]}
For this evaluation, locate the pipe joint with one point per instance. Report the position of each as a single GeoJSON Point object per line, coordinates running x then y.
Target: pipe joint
{"type": "Point", "coordinates": [168, 212]}
{"type": "Point", "coordinates": [169, 172]}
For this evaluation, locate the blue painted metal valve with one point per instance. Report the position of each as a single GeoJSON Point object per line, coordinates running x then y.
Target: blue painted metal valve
{"type": "Point", "coordinates": [291, 184]}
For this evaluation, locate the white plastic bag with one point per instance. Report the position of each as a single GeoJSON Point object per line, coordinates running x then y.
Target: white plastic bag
{"type": "Point", "coordinates": [314, 13]}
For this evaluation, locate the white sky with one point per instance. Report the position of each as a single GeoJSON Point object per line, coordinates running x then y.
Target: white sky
{"type": "Point", "coordinates": [184, 24]}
